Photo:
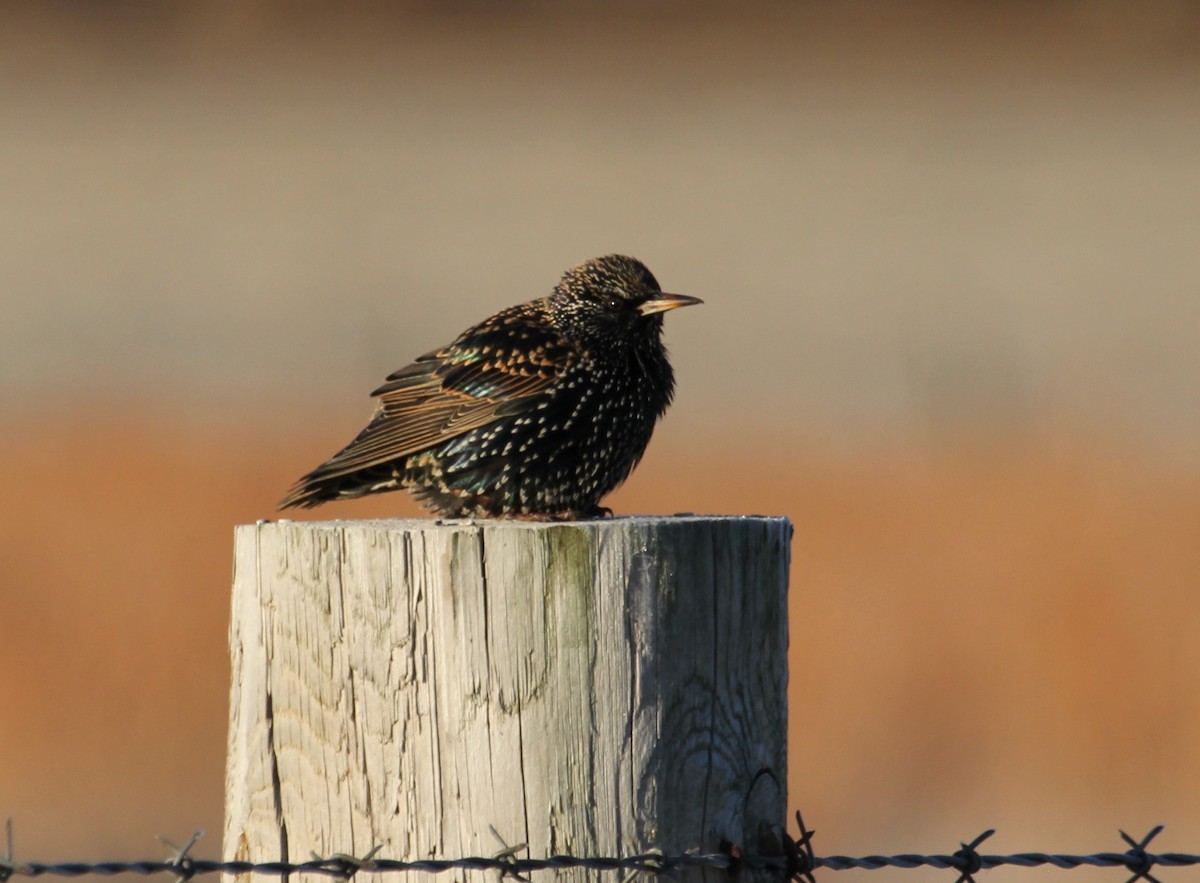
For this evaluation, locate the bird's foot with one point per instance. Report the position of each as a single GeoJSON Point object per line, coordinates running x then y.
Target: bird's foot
{"type": "Point", "coordinates": [564, 515]}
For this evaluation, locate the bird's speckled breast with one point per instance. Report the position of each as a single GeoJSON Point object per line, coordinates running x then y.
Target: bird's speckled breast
{"type": "Point", "coordinates": [580, 441]}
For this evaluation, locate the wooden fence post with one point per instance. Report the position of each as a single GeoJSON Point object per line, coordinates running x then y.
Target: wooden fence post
{"type": "Point", "coordinates": [586, 688]}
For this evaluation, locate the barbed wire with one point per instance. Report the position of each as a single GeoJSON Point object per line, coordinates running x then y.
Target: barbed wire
{"type": "Point", "coordinates": [797, 862]}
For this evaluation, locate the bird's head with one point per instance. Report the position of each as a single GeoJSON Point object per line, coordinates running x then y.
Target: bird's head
{"type": "Point", "coordinates": [613, 298]}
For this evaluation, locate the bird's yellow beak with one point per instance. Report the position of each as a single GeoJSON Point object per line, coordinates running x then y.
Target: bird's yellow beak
{"type": "Point", "coordinates": [663, 302]}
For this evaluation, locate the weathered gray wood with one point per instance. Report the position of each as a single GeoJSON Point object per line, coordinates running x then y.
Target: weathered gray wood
{"type": "Point", "coordinates": [587, 688]}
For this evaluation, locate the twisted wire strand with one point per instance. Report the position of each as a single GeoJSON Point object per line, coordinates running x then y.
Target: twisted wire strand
{"type": "Point", "coordinates": [798, 863]}
{"type": "Point", "coordinates": [651, 863]}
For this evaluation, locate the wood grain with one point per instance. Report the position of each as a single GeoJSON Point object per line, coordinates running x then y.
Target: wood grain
{"type": "Point", "coordinates": [587, 688]}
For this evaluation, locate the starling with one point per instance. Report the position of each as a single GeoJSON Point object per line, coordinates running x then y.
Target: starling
{"type": "Point", "coordinates": [535, 413]}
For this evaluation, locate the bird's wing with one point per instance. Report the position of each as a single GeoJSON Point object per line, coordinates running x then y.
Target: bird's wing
{"type": "Point", "coordinates": [495, 370]}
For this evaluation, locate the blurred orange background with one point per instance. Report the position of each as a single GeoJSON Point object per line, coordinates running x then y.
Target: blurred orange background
{"type": "Point", "coordinates": [949, 261]}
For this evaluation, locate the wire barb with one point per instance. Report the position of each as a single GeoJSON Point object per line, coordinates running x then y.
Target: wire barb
{"type": "Point", "coordinates": [972, 861]}
{"type": "Point", "coordinates": [179, 856]}
{"type": "Point", "coordinates": [510, 866]}
{"type": "Point", "coordinates": [345, 865]}
{"type": "Point", "coordinates": [1140, 861]}
{"type": "Point", "coordinates": [800, 858]}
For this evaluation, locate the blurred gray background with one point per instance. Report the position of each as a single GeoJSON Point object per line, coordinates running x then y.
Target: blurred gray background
{"type": "Point", "coordinates": [899, 217]}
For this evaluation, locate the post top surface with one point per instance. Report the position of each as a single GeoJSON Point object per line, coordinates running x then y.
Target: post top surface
{"type": "Point", "coordinates": [617, 521]}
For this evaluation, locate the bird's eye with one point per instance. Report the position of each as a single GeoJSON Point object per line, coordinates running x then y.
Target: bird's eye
{"type": "Point", "coordinates": [613, 301]}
